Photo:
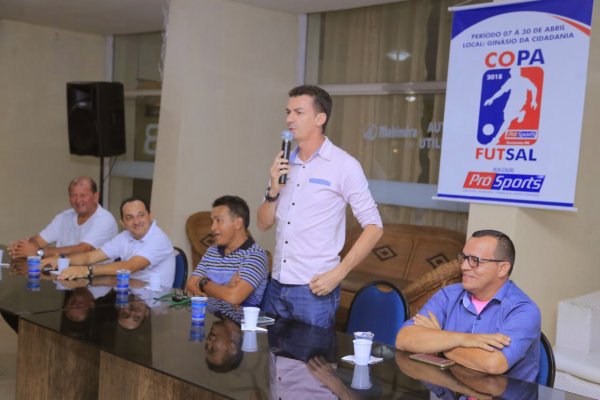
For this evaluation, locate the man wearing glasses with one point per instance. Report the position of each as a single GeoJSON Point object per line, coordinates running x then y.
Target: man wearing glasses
{"type": "Point", "coordinates": [485, 323]}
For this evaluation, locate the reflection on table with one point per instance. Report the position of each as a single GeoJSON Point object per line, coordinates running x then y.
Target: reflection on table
{"type": "Point", "coordinates": [459, 382]}
{"type": "Point", "coordinates": [22, 294]}
{"type": "Point", "coordinates": [129, 345]}
{"type": "Point", "coordinates": [288, 360]}
{"type": "Point", "coordinates": [19, 296]}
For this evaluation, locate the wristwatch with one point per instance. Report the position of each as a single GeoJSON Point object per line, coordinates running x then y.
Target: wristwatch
{"type": "Point", "coordinates": [203, 282]}
{"type": "Point", "coordinates": [269, 198]}
{"type": "Point", "coordinates": [40, 252]}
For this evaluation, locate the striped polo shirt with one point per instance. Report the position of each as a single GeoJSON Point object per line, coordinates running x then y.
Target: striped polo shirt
{"type": "Point", "coordinates": [250, 260]}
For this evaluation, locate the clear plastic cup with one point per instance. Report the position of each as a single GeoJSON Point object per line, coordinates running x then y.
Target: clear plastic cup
{"type": "Point", "coordinates": [362, 351]}
{"type": "Point", "coordinates": [33, 260]}
{"type": "Point", "coordinates": [33, 283]}
{"type": "Point", "coordinates": [250, 318]}
{"type": "Point", "coordinates": [364, 335]}
{"type": "Point", "coordinates": [199, 308]}
{"type": "Point", "coordinates": [63, 263]}
{"type": "Point", "coordinates": [122, 298]}
{"type": "Point", "coordinates": [196, 331]}
{"type": "Point", "coordinates": [34, 268]}
{"type": "Point", "coordinates": [123, 279]}
{"type": "Point", "coordinates": [249, 342]}
{"type": "Point", "coordinates": [361, 378]}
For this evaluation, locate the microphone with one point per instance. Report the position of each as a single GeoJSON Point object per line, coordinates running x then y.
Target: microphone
{"type": "Point", "coordinates": [286, 144]}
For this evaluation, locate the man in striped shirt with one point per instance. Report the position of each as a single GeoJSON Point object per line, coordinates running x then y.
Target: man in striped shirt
{"type": "Point", "coordinates": [234, 269]}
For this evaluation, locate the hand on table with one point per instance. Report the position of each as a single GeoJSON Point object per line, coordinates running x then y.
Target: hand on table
{"type": "Point", "coordinates": [74, 272]}
{"type": "Point", "coordinates": [22, 248]}
{"type": "Point", "coordinates": [50, 261]}
{"type": "Point", "coordinates": [75, 283]}
{"type": "Point", "coordinates": [18, 267]}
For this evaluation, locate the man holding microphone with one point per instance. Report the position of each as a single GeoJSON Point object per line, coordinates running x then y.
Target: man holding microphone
{"type": "Point", "coordinates": [310, 211]}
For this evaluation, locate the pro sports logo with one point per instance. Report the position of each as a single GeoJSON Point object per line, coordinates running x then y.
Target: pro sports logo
{"type": "Point", "coordinates": [504, 182]}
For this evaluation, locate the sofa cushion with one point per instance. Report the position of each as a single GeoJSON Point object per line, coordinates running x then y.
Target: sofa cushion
{"type": "Point", "coordinates": [403, 255]}
{"type": "Point", "coordinates": [357, 279]}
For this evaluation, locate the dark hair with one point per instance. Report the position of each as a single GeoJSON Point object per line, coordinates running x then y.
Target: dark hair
{"type": "Point", "coordinates": [132, 199]}
{"type": "Point", "coordinates": [505, 249]}
{"type": "Point", "coordinates": [76, 329]}
{"type": "Point", "coordinates": [234, 360]}
{"type": "Point", "coordinates": [321, 99]}
{"type": "Point", "coordinates": [87, 179]}
{"type": "Point", "coordinates": [237, 207]}
{"type": "Point", "coordinates": [230, 363]}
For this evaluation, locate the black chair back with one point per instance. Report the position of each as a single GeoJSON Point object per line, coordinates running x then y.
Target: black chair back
{"type": "Point", "coordinates": [181, 269]}
{"type": "Point", "coordinates": [547, 370]}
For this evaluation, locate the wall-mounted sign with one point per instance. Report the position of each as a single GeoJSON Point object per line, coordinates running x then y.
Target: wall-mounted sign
{"type": "Point", "coordinates": [514, 103]}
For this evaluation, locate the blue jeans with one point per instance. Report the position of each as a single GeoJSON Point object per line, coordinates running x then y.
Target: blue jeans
{"type": "Point", "coordinates": [299, 303]}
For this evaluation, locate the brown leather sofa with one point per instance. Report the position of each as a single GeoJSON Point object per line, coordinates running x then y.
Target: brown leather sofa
{"type": "Point", "coordinates": [408, 256]}
{"type": "Point", "coordinates": [418, 260]}
{"type": "Point", "coordinates": [197, 228]}
{"type": "Point", "coordinates": [418, 292]}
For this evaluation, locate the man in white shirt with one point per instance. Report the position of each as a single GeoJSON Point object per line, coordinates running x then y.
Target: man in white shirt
{"type": "Point", "coordinates": [309, 212]}
{"type": "Point", "coordinates": [84, 227]}
{"type": "Point", "coordinates": [144, 249]}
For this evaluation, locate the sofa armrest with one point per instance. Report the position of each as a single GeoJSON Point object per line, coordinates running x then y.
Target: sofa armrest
{"type": "Point", "coordinates": [421, 290]}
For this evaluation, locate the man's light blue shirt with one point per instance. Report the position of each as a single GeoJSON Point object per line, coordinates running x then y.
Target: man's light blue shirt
{"type": "Point", "coordinates": [510, 312]}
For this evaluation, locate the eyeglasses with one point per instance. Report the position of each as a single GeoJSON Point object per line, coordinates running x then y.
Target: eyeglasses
{"type": "Point", "coordinates": [473, 260]}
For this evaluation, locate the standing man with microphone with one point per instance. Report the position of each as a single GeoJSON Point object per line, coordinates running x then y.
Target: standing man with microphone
{"type": "Point", "coordinates": [310, 210]}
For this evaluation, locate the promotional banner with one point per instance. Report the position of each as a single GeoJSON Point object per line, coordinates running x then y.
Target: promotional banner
{"type": "Point", "coordinates": [514, 103]}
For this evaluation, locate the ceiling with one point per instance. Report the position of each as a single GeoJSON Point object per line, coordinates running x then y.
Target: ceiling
{"type": "Point", "coordinates": [137, 16]}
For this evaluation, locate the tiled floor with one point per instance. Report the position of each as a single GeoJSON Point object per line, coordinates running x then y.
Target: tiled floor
{"type": "Point", "coordinates": [8, 361]}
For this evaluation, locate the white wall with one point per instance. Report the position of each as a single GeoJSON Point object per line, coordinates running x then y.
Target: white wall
{"type": "Point", "coordinates": [558, 252]}
{"type": "Point", "coordinates": [35, 164]}
{"type": "Point", "coordinates": [228, 68]}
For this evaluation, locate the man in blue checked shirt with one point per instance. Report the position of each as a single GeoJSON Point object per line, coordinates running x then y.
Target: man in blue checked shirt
{"type": "Point", "coordinates": [234, 269]}
{"type": "Point", "coordinates": [485, 323]}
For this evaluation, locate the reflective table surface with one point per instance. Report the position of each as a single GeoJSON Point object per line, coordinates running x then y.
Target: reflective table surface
{"type": "Point", "coordinates": [22, 294]}
{"type": "Point", "coordinates": [285, 360]}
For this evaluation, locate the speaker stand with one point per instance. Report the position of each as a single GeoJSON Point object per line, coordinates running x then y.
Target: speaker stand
{"type": "Point", "coordinates": [101, 183]}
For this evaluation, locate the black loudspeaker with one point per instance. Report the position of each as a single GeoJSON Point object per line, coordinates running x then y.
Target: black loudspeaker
{"type": "Point", "coordinates": [96, 116]}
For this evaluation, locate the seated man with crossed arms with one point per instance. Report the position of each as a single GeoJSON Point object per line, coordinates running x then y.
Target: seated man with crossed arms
{"type": "Point", "coordinates": [144, 249]}
{"type": "Point", "coordinates": [234, 269]}
{"type": "Point", "coordinates": [485, 323]}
